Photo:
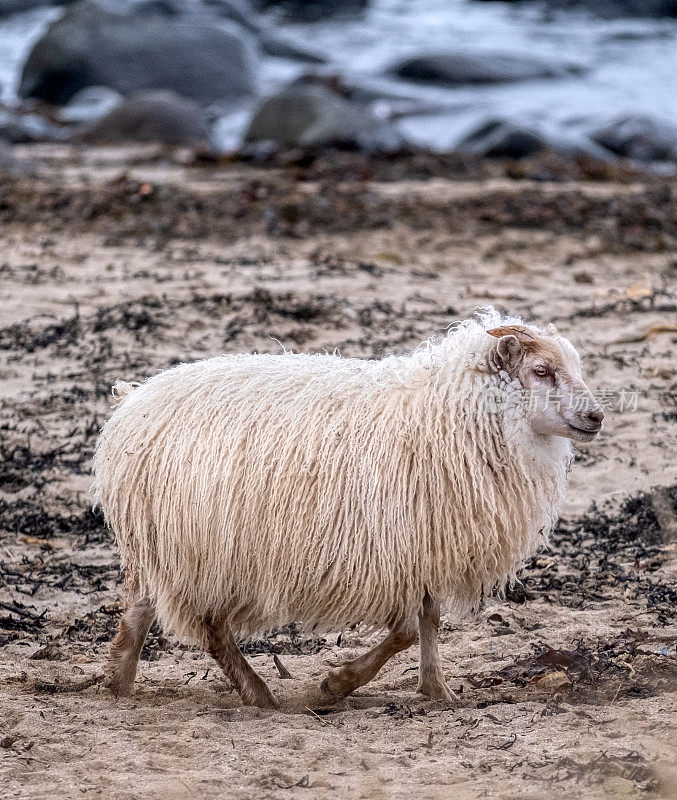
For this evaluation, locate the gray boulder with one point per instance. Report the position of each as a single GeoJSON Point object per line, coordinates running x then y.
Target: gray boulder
{"type": "Point", "coordinates": [12, 129]}
{"type": "Point", "coordinates": [639, 137]}
{"type": "Point", "coordinates": [274, 43]}
{"type": "Point", "coordinates": [609, 9]}
{"type": "Point", "coordinates": [16, 128]}
{"type": "Point", "coordinates": [146, 48]}
{"type": "Point", "coordinates": [316, 10]}
{"type": "Point", "coordinates": [459, 68]}
{"type": "Point", "coordinates": [505, 138]}
{"type": "Point", "coordinates": [237, 10]}
{"type": "Point", "coordinates": [271, 41]}
{"type": "Point", "coordinates": [161, 117]}
{"type": "Point", "coordinates": [9, 7]}
{"type": "Point", "coordinates": [308, 113]}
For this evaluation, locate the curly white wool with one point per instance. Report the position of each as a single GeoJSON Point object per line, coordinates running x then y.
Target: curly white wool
{"type": "Point", "coordinates": [325, 490]}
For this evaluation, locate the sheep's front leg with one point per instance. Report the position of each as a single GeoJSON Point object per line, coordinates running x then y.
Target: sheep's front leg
{"type": "Point", "coordinates": [127, 645]}
{"type": "Point", "coordinates": [222, 647]}
{"type": "Point", "coordinates": [361, 670]}
{"type": "Point", "coordinates": [431, 680]}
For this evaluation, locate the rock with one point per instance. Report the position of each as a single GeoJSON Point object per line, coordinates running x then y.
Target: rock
{"type": "Point", "coordinates": [161, 117]}
{"type": "Point", "coordinates": [556, 681]}
{"type": "Point", "coordinates": [315, 10]}
{"type": "Point", "coordinates": [615, 8]}
{"type": "Point", "coordinates": [193, 54]}
{"type": "Point", "coordinates": [504, 138]}
{"type": "Point", "coordinates": [311, 112]}
{"type": "Point", "coordinates": [459, 68]}
{"type": "Point", "coordinates": [236, 10]}
{"type": "Point", "coordinates": [89, 104]}
{"type": "Point", "coordinates": [271, 41]}
{"type": "Point", "coordinates": [12, 130]}
{"type": "Point", "coordinates": [26, 128]}
{"type": "Point", "coordinates": [277, 44]}
{"type": "Point", "coordinates": [639, 137]}
{"type": "Point", "coordinates": [9, 7]}
{"type": "Point", "coordinates": [610, 9]}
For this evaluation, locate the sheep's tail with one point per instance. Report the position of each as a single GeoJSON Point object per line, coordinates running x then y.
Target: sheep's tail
{"type": "Point", "coordinates": [121, 390]}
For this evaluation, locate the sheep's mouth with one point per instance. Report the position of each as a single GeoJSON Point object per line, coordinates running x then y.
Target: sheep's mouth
{"type": "Point", "coordinates": [584, 434]}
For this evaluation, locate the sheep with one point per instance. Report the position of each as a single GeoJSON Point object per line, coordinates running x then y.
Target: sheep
{"type": "Point", "coordinates": [249, 491]}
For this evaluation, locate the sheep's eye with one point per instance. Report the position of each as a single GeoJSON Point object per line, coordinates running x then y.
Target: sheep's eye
{"type": "Point", "coordinates": [541, 371]}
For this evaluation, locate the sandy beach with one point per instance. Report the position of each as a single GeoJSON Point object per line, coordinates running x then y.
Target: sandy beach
{"type": "Point", "coordinates": [118, 263]}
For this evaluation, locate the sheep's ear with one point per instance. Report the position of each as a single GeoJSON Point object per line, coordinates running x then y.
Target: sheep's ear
{"type": "Point", "coordinates": [518, 331]}
{"type": "Point", "coordinates": [508, 349]}
{"type": "Point", "coordinates": [508, 346]}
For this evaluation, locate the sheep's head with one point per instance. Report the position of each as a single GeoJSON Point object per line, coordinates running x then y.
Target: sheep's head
{"type": "Point", "coordinates": [549, 368]}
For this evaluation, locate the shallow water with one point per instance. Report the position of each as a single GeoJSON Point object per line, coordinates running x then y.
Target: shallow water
{"type": "Point", "coordinates": [629, 64]}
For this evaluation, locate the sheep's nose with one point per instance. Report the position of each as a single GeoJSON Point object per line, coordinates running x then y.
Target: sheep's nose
{"type": "Point", "coordinates": [596, 416]}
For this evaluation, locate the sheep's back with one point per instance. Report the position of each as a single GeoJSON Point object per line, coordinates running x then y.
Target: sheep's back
{"type": "Point", "coordinates": [264, 484]}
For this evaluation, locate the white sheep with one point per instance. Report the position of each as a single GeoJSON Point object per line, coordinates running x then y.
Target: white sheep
{"type": "Point", "coordinates": [249, 491]}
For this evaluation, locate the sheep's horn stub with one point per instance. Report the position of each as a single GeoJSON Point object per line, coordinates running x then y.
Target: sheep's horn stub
{"type": "Point", "coordinates": [522, 333]}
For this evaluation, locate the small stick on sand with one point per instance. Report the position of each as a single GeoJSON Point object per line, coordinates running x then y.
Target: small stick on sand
{"type": "Point", "coordinates": [57, 688]}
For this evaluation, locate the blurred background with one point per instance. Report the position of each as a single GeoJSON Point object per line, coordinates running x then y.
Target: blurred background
{"type": "Point", "coordinates": [593, 79]}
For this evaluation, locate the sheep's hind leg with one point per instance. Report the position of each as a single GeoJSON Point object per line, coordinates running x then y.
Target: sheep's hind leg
{"type": "Point", "coordinates": [222, 647]}
{"type": "Point", "coordinates": [127, 645]}
{"type": "Point", "coordinates": [361, 670]}
{"type": "Point", "coordinates": [431, 680]}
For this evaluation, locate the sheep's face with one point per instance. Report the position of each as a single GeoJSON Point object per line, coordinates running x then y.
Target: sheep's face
{"type": "Point", "coordinates": [558, 403]}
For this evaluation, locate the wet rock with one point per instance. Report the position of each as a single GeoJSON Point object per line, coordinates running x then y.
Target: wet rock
{"type": "Point", "coordinates": [146, 48]}
{"type": "Point", "coordinates": [237, 10]}
{"type": "Point", "coordinates": [277, 44]}
{"type": "Point", "coordinates": [25, 128]}
{"type": "Point", "coordinates": [271, 41]}
{"type": "Point", "coordinates": [503, 138]}
{"type": "Point", "coordinates": [643, 8]}
{"type": "Point", "coordinates": [512, 139]}
{"type": "Point", "coordinates": [315, 10]}
{"type": "Point", "coordinates": [12, 130]}
{"type": "Point", "coordinates": [623, 8]}
{"type": "Point", "coordinates": [162, 117]}
{"type": "Point", "coordinates": [639, 137]}
{"type": "Point", "coordinates": [9, 7]}
{"type": "Point", "coordinates": [610, 9]}
{"type": "Point", "coordinates": [459, 68]}
{"type": "Point", "coordinates": [313, 113]}
{"type": "Point", "coordinates": [90, 104]}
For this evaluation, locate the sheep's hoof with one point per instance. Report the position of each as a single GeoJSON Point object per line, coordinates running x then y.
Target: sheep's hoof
{"type": "Point", "coordinates": [119, 689]}
{"type": "Point", "coordinates": [437, 691]}
{"type": "Point", "coordinates": [262, 699]}
{"type": "Point", "coordinates": [333, 687]}
{"type": "Point", "coordinates": [270, 703]}
{"type": "Point", "coordinates": [265, 705]}
{"type": "Point", "coordinates": [324, 697]}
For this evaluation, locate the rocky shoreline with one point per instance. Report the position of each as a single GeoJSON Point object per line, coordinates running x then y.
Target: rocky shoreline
{"type": "Point", "coordinates": [189, 73]}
